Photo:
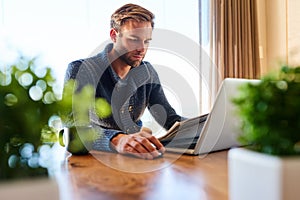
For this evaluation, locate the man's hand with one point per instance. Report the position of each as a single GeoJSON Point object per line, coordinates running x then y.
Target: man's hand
{"type": "Point", "coordinates": [141, 144]}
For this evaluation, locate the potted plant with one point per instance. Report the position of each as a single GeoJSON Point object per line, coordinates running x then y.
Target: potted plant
{"type": "Point", "coordinates": [269, 166]}
{"type": "Point", "coordinates": [30, 106]}
{"type": "Point", "coordinates": [77, 135]}
{"type": "Point", "coordinates": [27, 97]}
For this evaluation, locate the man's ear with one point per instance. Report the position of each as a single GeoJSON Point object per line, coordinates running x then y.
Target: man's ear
{"type": "Point", "coordinates": [113, 34]}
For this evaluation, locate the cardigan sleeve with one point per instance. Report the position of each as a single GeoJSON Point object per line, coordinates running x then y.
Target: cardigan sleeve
{"type": "Point", "coordinates": [102, 143]}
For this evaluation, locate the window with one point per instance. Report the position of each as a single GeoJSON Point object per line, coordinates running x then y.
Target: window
{"type": "Point", "coordinates": [59, 32]}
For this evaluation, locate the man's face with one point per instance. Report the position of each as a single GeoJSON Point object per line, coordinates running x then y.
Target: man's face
{"type": "Point", "coordinates": [132, 42]}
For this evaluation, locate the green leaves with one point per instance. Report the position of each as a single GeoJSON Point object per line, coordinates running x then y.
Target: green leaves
{"type": "Point", "coordinates": [103, 109]}
{"type": "Point", "coordinates": [270, 112]}
{"type": "Point", "coordinates": [75, 105]}
{"type": "Point", "coordinates": [25, 109]}
{"type": "Point", "coordinates": [29, 101]}
{"type": "Point", "coordinates": [23, 104]}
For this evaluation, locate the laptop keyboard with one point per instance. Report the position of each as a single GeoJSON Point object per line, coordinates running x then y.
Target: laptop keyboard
{"type": "Point", "coordinates": [184, 143]}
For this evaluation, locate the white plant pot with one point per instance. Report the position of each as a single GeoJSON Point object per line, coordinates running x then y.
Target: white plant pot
{"type": "Point", "coordinates": [259, 176]}
{"type": "Point", "coordinates": [33, 189]}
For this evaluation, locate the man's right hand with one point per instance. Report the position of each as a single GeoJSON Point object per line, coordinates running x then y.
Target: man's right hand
{"type": "Point", "coordinates": [141, 144]}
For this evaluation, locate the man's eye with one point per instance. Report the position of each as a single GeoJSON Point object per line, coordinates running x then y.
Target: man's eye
{"type": "Point", "coordinates": [133, 40]}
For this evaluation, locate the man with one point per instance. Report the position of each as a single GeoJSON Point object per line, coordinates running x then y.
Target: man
{"type": "Point", "coordinates": [128, 83]}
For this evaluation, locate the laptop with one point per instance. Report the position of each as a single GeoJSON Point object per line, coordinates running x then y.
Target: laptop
{"type": "Point", "coordinates": [220, 129]}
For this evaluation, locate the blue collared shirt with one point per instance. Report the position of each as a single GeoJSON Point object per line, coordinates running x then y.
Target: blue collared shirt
{"type": "Point", "coordinates": [128, 97]}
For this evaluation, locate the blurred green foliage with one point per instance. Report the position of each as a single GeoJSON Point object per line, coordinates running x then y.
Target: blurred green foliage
{"type": "Point", "coordinates": [270, 111]}
{"type": "Point", "coordinates": [26, 98]}
{"type": "Point", "coordinates": [74, 107]}
{"type": "Point", "coordinates": [30, 103]}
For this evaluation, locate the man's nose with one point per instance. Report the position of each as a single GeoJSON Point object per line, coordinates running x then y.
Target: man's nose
{"type": "Point", "coordinates": [141, 47]}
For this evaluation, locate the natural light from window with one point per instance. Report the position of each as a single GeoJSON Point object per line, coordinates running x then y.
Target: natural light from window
{"type": "Point", "coordinates": [60, 31]}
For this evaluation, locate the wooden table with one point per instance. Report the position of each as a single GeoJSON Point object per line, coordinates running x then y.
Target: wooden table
{"type": "Point", "coordinates": [102, 175]}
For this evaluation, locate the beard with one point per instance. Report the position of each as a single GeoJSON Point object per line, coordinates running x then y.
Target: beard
{"type": "Point", "coordinates": [128, 56]}
{"type": "Point", "coordinates": [129, 61]}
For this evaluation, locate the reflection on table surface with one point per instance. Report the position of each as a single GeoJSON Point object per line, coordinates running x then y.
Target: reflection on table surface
{"type": "Point", "coordinates": [103, 175]}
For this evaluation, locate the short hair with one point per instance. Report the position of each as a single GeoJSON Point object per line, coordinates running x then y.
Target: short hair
{"type": "Point", "coordinates": [130, 12]}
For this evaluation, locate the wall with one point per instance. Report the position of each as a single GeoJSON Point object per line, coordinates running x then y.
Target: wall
{"type": "Point", "coordinates": [272, 22]}
{"type": "Point", "coordinates": [293, 32]}
{"type": "Point", "coordinates": [279, 33]}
